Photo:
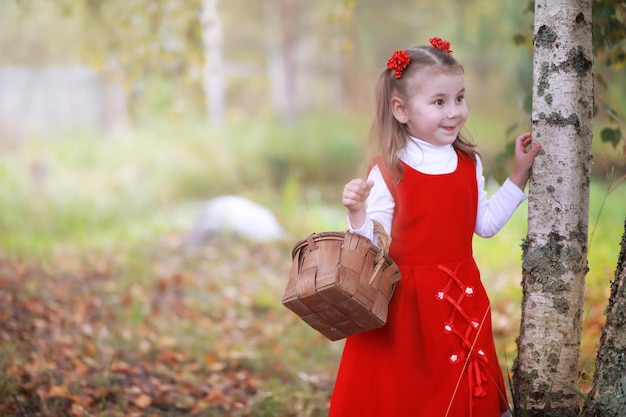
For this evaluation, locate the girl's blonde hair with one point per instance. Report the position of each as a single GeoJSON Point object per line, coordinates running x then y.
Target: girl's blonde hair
{"type": "Point", "coordinates": [387, 135]}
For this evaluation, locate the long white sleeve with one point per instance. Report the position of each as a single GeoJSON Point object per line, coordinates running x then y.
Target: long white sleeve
{"type": "Point", "coordinates": [492, 213]}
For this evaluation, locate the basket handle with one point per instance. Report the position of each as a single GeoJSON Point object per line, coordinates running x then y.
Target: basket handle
{"type": "Point", "coordinates": [384, 240]}
{"type": "Point", "coordinates": [311, 243]}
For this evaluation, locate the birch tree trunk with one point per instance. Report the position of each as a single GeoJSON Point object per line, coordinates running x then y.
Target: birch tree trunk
{"type": "Point", "coordinates": [213, 74]}
{"type": "Point", "coordinates": [555, 250]}
{"type": "Point", "coordinates": [608, 394]}
{"type": "Point", "coordinates": [281, 16]}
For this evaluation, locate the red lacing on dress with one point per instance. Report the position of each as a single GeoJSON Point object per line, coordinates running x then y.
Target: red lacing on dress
{"type": "Point", "coordinates": [464, 327]}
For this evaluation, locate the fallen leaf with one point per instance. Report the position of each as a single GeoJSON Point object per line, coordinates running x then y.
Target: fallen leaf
{"type": "Point", "coordinates": [143, 401]}
{"type": "Point", "coordinates": [77, 410]}
{"type": "Point", "coordinates": [170, 356]}
{"type": "Point", "coordinates": [121, 367]}
{"type": "Point", "coordinates": [80, 368]}
{"type": "Point", "coordinates": [58, 391]}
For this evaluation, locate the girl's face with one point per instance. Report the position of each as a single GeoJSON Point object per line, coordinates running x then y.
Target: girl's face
{"type": "Point", "coordinates": [435, 109]}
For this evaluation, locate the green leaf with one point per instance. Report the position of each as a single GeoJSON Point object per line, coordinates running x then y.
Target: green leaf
{"type": "Point", "coordinates": [613, 136]}
{"type": "Point", "coordinates": [518, 39]}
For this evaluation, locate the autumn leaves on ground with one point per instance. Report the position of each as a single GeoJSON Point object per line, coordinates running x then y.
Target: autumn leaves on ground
{"type": "Point", "coordinates": [200, 335]}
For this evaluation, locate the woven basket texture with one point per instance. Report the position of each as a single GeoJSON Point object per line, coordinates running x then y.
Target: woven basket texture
{"type": "Point", "coordinates": [340, 283]}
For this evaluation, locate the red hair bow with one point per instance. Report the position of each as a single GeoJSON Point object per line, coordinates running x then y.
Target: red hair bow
{"type": "Point", "coordinates": [398, 62]}
{"type": "Point", "coordinates": [439, 43]}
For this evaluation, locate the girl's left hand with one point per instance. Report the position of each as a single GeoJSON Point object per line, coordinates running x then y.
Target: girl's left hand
{"type": "Point", "coordinates": [525, 153]}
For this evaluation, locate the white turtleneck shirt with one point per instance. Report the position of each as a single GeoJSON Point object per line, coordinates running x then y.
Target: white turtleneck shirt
{"type": "Point", "coordinates": [492, 214]}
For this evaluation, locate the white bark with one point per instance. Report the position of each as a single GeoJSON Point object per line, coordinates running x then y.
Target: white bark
{"type": "Point", "coordinates": [214, 81]}
{"type": "Point", "coordinates": [555, 251]}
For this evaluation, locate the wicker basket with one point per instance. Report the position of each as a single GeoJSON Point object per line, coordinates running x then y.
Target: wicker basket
{"type": "Point", "coordinates": [340, 283]}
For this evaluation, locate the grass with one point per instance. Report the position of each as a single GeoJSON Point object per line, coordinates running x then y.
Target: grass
{"type": "Point", "coordinates": [102, 218]}
{"type": "Point", "coordinates": [89, 192]}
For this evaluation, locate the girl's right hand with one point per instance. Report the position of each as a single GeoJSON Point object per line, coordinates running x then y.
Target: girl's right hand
{"type": "Point", "coordinates": [353, 198]}
{"type": "Point", "coordinates": [355, 193]}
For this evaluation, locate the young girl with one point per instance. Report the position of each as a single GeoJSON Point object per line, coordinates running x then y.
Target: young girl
{"type": "Point", "coordinates": [436, 355]}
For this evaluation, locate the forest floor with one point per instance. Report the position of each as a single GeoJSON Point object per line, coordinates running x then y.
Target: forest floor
{"type": "Point", "coordinates": [200, 334]}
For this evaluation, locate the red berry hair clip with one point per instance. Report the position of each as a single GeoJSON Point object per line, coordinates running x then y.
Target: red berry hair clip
{"type": "Point", "coordinates": [440, 44]}
{"type": "Point", "coordinates": [398, 62]}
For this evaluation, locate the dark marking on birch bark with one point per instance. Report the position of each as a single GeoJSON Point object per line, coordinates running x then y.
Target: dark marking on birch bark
{"type": "Point", "coordinates": [543, 393]}
{"type": "Point", "coordinates": [553, 359]}
{"type": "Point", "coordinates": [561, 304]}
{"type": "Point", "coordinates": [551, 411]}
{"type": "Point", "coordinates": [556, 119]}
{"type": "Point", "coordinates": [579, 234]}
{"type": "Point", "coordinates": [542, 82]}
{"type": "Point", "coordinates": [527, 379]}
{"type": "Point", "coordinates": [587, 105]}
{"type": "Point", "coordinates": [545, 37]}
{"type": "Point", "coordinates": [544, 265]}
{"type": "Point", "coordinates": [577, 62]}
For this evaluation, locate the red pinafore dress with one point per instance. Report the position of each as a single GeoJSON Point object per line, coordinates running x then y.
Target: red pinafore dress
{"type": "Point", "coordinates": [436, 355]}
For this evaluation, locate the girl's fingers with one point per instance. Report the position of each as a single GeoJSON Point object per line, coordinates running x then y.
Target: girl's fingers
{"type": "Point", "coordinates": [357, 191]}
{"type": "Point", "coordinates": [524, 141]}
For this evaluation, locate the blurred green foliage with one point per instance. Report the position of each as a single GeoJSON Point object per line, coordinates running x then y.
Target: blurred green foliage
{"type": "Point", "coordinates": [85, 192]}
